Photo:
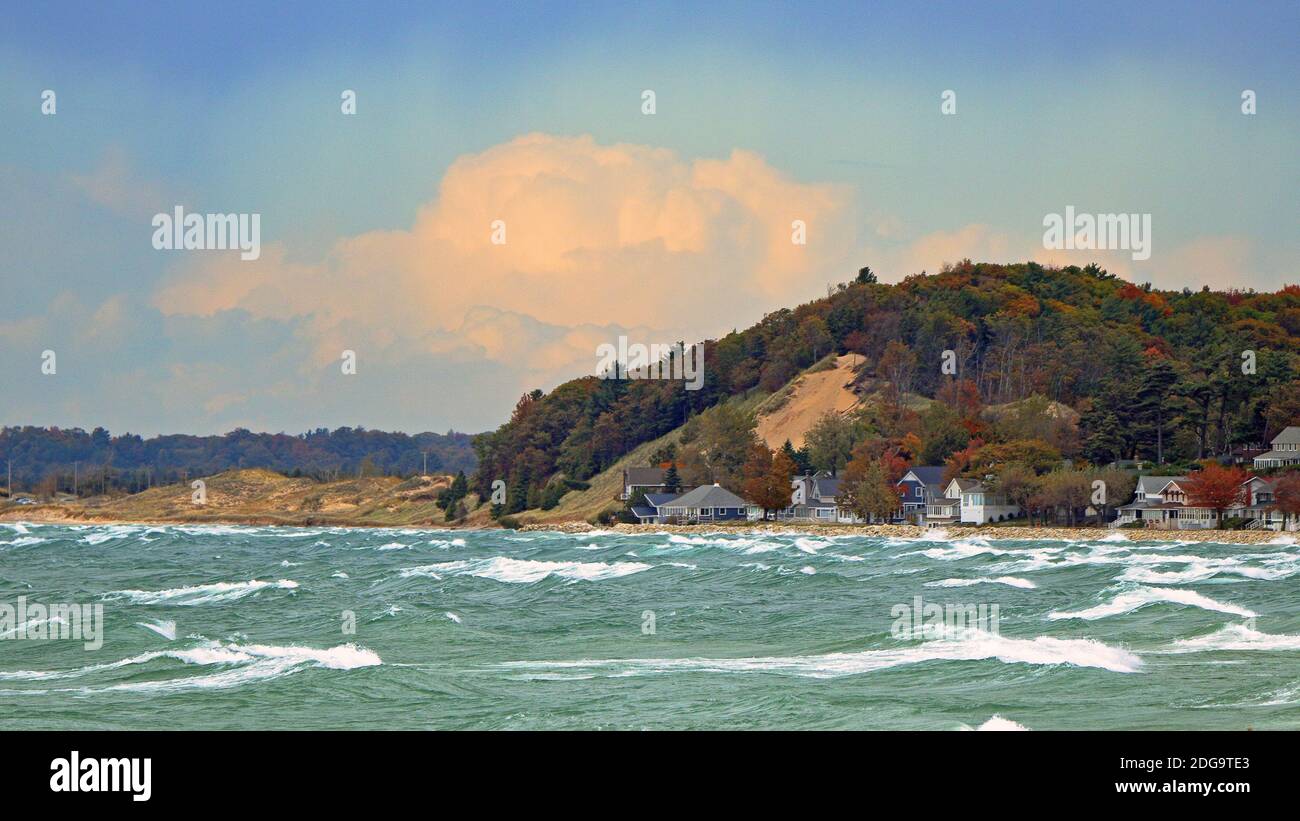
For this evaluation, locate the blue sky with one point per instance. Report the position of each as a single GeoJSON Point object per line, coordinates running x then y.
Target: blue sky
{"type": "Point", "coordinates": [834, 107]}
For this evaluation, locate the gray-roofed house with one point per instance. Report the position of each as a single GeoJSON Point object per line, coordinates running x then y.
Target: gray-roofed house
{"type": "Point", "coordinates": [1150, 505]}
{"type": "Point", "coordinates": [706, 503]}
{"type": "Point", "coordinates": [979, 503]}
{"type": "Point", "coordinates": [921, 487]}
{"type": "Point", "coordinates": [812, 499]}
{"type": "Point", "coordinates": [650, 513]}
{"type": "Point", "coordinates": [1260, 505]}
{"type": "Point", "coordinates": [1286, 450]}
{"type": "Point", "coordinates": [645, 480]}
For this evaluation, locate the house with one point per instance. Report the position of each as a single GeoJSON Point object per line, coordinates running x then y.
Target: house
{"type": "Point", "coordinates": [1286, 450]}
{"type": "Point", "coordinates": [650, 513]}
{"type": "Point", "coordinates": [646, 480]}
{"type": "Point", "coordinates": [706, 503]}
{"type": "Point", "coordinates": [1157, 502]}
{"type": "Point", "coordinates": [813, 499]}
{"type": "Point", "coordinates": [919, 488]}
{"type": "Point", "coordinates": [1259, 505]}
{"type": "Point", "coordinates": [979, 504]}
{"type": "Point", "coordinates": [1160, 502]}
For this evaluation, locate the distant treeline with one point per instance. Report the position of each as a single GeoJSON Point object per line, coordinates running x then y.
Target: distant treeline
{"type": "Point", "coordinates": [48, 460]}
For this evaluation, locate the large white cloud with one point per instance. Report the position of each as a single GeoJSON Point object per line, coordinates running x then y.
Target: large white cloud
{"type": "Point", "coordinates": [596, 235]}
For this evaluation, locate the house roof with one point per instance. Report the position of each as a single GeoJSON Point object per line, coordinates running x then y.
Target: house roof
{"type": "Point", "coordinates": [928, 475]}
{"type": "Point", "coordinates": [659, 499]}
{"type": "Point", "coordinates": [1155, 484]}
{"type": "Point", "coordinates": [708, 496]}
{"type": "Point", "coordinates": [968, 485]}
{"type": "Point", "coordinates": [1289, 436]}
{"type": "Point", "coordinates": [826, 488]}
{"type": "Point", "coordinates": [642, 512]}
{"type": "Point", "coordinates": [1279, 454]}
{"type": "Point", "coordinates": [644, 476]}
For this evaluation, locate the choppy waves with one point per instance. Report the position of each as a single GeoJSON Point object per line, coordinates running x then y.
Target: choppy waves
{"type": "Point", "coordinates": [527, 571]}
{"type": "Point", "coordinates": [234, 664]}
{"type": "Point", "coordinates": [966, 646]}
{"type": "Point", "coordinates": [1131, 600]}
{"type": "Point", "coordinates": [200, 594]}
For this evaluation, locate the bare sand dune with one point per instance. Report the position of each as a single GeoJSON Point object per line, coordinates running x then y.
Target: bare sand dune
{"type": "Point", "coordinates": [813, 395]}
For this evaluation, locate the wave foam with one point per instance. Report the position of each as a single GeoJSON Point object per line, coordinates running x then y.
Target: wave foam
{"type": "Point", "coordinates": [1012, 581]}
{"type": "Point", "coordinates": [1141, 597]}
{"type": "Point", "coordinates": [998, 723]}
{"type": "Point", "coordinates": [246, 663]}
{"type": "Point", "coordinates": [527, 571]}
{"type": "Point", "coordinates": [200, 594]}
{"type": "Point", "coordinates": [966, 646]}
{"type": "Point", "coordinates": [1236, 637]}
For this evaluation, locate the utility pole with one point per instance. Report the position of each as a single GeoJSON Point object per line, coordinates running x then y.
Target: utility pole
{"type": "Point", "coordinates": [74, 477]}
{"type": "Point", "coordinates": [426, 462]}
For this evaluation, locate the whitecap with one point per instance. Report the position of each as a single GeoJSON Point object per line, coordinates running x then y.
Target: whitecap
{"type": "Point", "coordinates": [200, 594]}
{"type": "Point", "coordinates": [166, 629]}
{"type": "Point", "coordinates": [963, 646]}
{"type": "Point", "coordinates": [1235, 637]}
{"type": "Point", "coordinates": [998, 723]}
{"type": "Point", "coordinates": [1131, 600]}
{"type": "Point", "coordinates": [527, 571]}
{"type": "Point", "coordinates": [1010, 581]}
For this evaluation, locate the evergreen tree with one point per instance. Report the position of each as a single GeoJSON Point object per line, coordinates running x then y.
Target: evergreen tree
{"type": "Point", "coordinates": [672, 482]}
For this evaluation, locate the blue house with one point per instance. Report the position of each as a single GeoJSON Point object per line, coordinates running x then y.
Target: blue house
{"type": "Point", "coordinates": [650, 513]}
{"type": "Point", "coordinates": [706, 503]}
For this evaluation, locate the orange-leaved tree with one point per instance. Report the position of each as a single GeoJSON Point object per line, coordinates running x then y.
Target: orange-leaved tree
{"type": "Point", "coordinates": [767, 479]}
{"type": "Point", "coordinates": [1286, 495]}
{"type": "Point", "coordinates": [1216, 487]}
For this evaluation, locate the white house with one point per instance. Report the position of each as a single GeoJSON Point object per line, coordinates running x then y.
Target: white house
{"type": "Point", "coordinates": [1286, 450]}
{"type": "Point", "coordinates": [1160, 502]}
{"type": "Point", "coordinates": [975, 503]}
{"type": "Point", "coordinates": [812, 499]}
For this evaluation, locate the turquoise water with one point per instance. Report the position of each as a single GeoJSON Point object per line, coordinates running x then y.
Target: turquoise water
{"type": "Point", "coordinates": [242, 627]}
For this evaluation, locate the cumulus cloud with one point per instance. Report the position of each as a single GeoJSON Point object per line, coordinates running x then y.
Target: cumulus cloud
{"type": "Point", "coordinates": [596, 235]}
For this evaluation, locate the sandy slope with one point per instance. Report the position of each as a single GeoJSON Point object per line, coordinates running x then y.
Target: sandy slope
{"type": "Point", "coordinates": [813, 394]}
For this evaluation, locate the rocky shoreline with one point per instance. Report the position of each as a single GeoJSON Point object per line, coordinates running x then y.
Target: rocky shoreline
{"type": "Point", "coordinates": [54, 515]}
{"type": "Point", "coordinates": [912, 532]}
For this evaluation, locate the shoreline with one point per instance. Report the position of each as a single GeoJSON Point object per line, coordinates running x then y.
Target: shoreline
{"type": "Point", "coordinates": [1072, 534]}
{"type": "Point", "coordinates": [998, 533]}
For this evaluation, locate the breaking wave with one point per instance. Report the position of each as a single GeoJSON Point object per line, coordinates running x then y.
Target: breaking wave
{"type": "Point", "coordinates": [200, 594]}
{"type": "Point", "coordinates": [966, 646]}
{"type": "Point", "coordinates": [527, 571]}
{"type": "Point", "coordinates": [1131, 600]}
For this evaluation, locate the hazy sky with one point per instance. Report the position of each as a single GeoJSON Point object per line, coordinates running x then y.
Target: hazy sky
{"type": "Point", "coordinates": [375, 227]}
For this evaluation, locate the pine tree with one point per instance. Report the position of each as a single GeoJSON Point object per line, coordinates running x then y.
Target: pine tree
{"type": "Point", "coordinates": [672, 482]}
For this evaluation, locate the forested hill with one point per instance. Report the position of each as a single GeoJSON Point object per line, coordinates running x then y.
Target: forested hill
{"type": "Point", "coordinates": [45, 458]}
{"type": "Point", "coordinates": [1152, 374]}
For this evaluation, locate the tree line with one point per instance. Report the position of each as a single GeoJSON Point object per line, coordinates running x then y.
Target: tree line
{"type": "Point", "coordinates": [49, 460]}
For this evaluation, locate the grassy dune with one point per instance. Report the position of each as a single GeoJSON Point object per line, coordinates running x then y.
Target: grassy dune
{"type": "Point", "coordinates": [262, 497]}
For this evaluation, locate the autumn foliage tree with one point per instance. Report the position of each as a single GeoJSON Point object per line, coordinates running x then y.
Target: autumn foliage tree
{"type": "Point", "coordinates": [869, 486]}
{"type": "Point", "coordinates": [1216, 487]}
{"type": "Point", "coordinates": [767, 479]}
{"type": "Point", "coordinates": [1286, 494]}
